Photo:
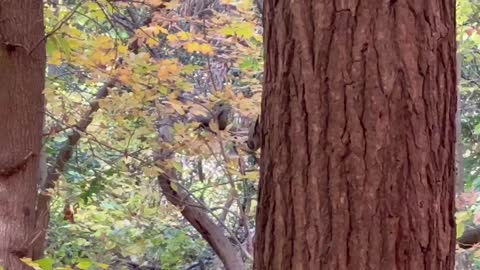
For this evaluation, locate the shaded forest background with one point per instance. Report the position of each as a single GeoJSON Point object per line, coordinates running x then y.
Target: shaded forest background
{"type": "Point", "coordinates": [148, 162]}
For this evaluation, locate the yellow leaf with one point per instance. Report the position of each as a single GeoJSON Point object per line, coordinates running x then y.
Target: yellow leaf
{"type": "Point", "coordinates": [229, 94]}
{"type": "Point", "coordinates": [152, 171]}
{"type": "Point", "coordinates": [462, 216]}
{"type": "Point", "coordinates": [206, 49]}
{"type": "Point", "coordinates": [102, 265]}
{"type": "Point", "coordinates": [56, 58]}
{"type": "Point", "coordinates": [245, 5]}
{"type": "Point", "coordinates": [101, 58]}
{"type": "Point", "coordinates": [30, 263]}
{"type": "Point", "coordinates": [49, 94]}
{"type": "Point", "coordinates": [150, 31]}
{"type": "Point", "coordinates": [177, 106]}
{"type": "Point", "coordinates": [183, 36]}
{"type": "Point", "coordinates": [172, 38]}
{"type": "Point", "coordinates": [152, 42]}
{"type": "Point", "coordinates": [192, 47]}
{"type": "Point", "coordinates": [214, 126]}
{"type": "Point", "coordinates": [168, 68]}
{"type": "Point", "coordinates": [122, 49]}
{"type": "Point", "coordinates": [154, 2]}
{"type": "Point", "coordinates": [198, 110]}
{"type": "Point", "coordinates": [170, 4]}
{"type": "Point", "coordinates": [243, 29]}
{"type": "Point", "coordinates": [124, 75]}
{"type": "Point", "coordinates": [71, 121]}
{"type": "Point", "coordinates": [103, 42]}
{"type": "Point", "coordinates": [174, 186]}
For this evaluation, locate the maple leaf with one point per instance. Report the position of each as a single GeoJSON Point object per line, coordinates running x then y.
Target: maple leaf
{"type": "Point", "coordinates": [204, 48]}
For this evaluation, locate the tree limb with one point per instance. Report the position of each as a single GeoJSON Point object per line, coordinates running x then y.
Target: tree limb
{"type": "Point", "coordinates": [199, 219]}
{"type": "Point", "coordinates": [54, 172]}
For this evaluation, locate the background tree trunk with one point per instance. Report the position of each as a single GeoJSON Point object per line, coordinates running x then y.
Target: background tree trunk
{"type": "Point", "coordinates": [22, 71]}
{"type": "Point", "coordinates": [193, 211]}
{"type": "Point", "coordinates": [358, 120]}
{"type": "Point", "coordinates": [209, 230]}
{"type": "Point", "coordinates": [53, 173]}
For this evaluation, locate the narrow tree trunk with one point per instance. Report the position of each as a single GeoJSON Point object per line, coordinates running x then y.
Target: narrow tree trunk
{"type": "Point", "coordinates": [358, 121]}
{"type": "Point", "coordinates": [22, 69]}
{"type": "Point", "coordinates": [53, 174]}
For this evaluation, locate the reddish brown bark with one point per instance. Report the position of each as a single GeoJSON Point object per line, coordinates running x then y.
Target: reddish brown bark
{"type": "Point", "coordinates": [22, 71]}
{"type": "Point", "coordinates": [358, 120]}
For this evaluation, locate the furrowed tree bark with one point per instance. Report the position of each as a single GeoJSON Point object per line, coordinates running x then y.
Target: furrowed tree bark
{"type": "Point", "coordinates": [22, 78]}
{"type": "Point", "coordinates": [358, 122]}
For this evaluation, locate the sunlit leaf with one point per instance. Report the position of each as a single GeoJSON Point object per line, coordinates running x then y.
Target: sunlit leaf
{"type": "Point", "coordinates": [460, 229]}
{"type": "Point", "coordinates": [32, 264]}
{"type": "Point", "coordinates": [45, 263]}
{"type": "Point", "coordinates": [84, 264]}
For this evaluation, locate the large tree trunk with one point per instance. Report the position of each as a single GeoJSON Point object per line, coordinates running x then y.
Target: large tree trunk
{"type": "Point", "coordinates": [358, 120]}
{"type": "Point", "coordinates": [22, 69]}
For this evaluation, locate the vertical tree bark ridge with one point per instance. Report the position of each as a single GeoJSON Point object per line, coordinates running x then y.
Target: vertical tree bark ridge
{"type": "Point", "coordinates": [358, 120]}
{"type": "Point", "coordinates": [22, 72]}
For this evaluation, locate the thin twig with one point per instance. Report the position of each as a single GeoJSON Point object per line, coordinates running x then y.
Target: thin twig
{"type": "Point", "coordinates": [59, 25]}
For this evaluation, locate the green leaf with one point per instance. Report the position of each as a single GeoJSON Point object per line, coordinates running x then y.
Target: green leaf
{"type": "Point", "coordinates": [464, 11]}
{"type": "Point", "coordinates": [63, 44]}
{"type": "Point", "coordinates": [84, 264]}
{"type": "Point", "coordinates": [190, 69]}
{"type": "Point", "coordinates": [31, 263]}
{"type": "Point", "coordinates": [244, 29]}
{"type": "Point", "coordinates": [476, 130]}
{"type": "Point", "coordinates": [177, 166]}
{"type": "Point", "coordinates": [174, 186]}
{"type": "Point", "coordinates": [45, 263]}
{"type": "Point", "coordinates": [460, 230]}
{"type": "Point", "coordinates": [52, 44]}
{"type": "Point", "coordinates": [250, 63]}
{"type": "Point", "coordinates": [102, 265]}
{"type": "Point", "coordinates": [137, 248]}
{"type": "Point", "coordinates": [462, 216]}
